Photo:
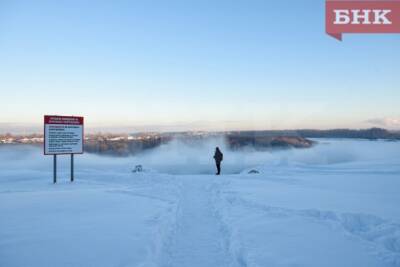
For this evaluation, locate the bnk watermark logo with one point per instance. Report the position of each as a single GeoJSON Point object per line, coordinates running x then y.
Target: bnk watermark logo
{"type": "Point", "coordinates": [362, 16]}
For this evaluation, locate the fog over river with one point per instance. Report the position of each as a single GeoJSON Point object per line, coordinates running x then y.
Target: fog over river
{"type": "Point", "coordinates": [180, 158]}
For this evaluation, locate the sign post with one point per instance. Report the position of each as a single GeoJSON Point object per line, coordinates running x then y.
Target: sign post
{"type": "Point", "coordinates": [72, 167]}
{"type": "Point", "coordinates": [63, 135]}
{"type": "Point", "coordinates": [54, 169]}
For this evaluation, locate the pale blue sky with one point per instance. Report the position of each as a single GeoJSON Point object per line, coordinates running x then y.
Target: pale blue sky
{"type": "Point", "coordinates": [193, 65]}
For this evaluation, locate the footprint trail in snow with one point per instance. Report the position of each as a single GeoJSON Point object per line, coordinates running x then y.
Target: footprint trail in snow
{"type": "Point", "coordinates": [198, 240]}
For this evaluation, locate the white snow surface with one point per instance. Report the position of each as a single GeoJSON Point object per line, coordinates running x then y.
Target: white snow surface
{"type": "Point", "coordinates": [336, 204]}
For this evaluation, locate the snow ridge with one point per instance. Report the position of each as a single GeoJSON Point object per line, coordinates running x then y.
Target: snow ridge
{"type": "Point", "coordinates": [382, 236]}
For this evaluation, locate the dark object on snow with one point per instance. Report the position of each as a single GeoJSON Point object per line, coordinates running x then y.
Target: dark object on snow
{"type": "Point", "coordinates": [138, 168]}
{"type": "Point", "coordinates": [218, 156]}
{"type": "Point", "coordinates": [253, 172]}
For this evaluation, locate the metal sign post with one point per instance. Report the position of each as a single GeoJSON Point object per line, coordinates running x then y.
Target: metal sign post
{"type": "Point", "coordinates": [54, 169]}
{"type": "Point", "coordinates": [72, 168]}
{"type": "Point", "coordinates": [63, 135]}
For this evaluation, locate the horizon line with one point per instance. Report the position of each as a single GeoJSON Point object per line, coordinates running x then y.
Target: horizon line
{"type": "Point", "coordinates": [216, 131]}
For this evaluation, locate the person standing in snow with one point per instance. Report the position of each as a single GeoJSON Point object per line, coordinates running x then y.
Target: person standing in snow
{"type": "Point", "coordinates": [218, 157]}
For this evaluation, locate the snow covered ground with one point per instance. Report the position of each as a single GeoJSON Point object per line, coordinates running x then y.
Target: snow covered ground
{"type": "Point", "coordinates": [336, 204]}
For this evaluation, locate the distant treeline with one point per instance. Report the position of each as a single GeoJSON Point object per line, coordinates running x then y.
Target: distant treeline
{"type": "Point", "coordinates": [372, 133]}
{"type": "Point", "coordinates": [124, 147]}
{"type": "Point", "coordinates": [238, 141]}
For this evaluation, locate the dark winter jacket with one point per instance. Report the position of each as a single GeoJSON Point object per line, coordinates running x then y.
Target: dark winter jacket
{"type": "Point", "coordinates": [218, 156]}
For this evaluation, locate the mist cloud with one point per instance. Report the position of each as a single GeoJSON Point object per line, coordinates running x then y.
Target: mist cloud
{"type": "Point", "coordinates": [388, 122]}
{"type": "Point", "coordinates": [180, 157]}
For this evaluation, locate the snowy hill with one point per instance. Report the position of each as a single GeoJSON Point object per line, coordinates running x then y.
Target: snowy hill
{"type": "Point", "coordinates": [333, 205]}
